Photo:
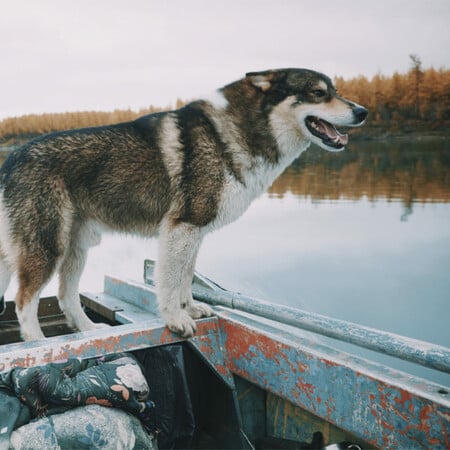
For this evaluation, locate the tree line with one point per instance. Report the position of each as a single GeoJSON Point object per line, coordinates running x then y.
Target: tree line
{"type": "Point", "coordinates": [418, 99]}
{"type": "Point", "coordinates": [31, 125]}
{"type": "Point", "coordinates": [421, 95]}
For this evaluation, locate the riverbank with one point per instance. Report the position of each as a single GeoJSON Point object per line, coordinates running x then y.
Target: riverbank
{"type": "Point", "coordinates": [411, 129]}
{"type": "Point", "coordinates": [380, 131]}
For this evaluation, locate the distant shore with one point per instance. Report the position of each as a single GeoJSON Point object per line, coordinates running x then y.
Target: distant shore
{"type": "Point", "coordinates": [395, 135]}
{"type": "Point", "coordinates": [368, 132]}
{"type": "Point", "coordinates": [374, 131]}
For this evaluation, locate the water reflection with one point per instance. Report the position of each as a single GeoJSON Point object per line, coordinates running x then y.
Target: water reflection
{"type": "Point", "coordinates": [404, 170]}
{"type": "Point", "coordinates": [331, 236]}
{"type": "Point", "coordinates": [410, 172]}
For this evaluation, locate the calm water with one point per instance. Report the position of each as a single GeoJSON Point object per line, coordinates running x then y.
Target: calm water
{"type": "Point", "coordinates": [362, 235]}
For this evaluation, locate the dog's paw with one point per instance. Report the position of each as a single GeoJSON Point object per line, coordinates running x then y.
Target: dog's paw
{"type": "Point", "coordinates": [33, 336]}
{"type": "Point", "coordinates": [198, 310]}
{"type": "Point", "coordinates": [182, 324]}
{"type": "Point", "coordinates": [89, 325]}
{"type": "Point", "coordinates": [101, 325]}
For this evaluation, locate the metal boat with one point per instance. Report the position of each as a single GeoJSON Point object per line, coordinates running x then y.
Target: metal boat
{"type": "Point", "coordinates": [258, 374]}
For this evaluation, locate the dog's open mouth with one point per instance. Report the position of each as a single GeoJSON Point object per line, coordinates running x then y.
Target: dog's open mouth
{"type": "Point", "coordinates": [326, 132]}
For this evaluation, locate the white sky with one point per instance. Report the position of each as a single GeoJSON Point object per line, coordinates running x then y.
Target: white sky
{"type": "Point", "coordinates": [68, 55]}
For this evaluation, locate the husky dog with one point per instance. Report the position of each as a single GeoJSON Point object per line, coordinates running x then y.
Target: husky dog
{"type": "Point", "coordinates": [176, 175]}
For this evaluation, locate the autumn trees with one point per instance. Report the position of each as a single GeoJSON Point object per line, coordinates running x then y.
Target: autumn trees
{"type": "Point", "coordinates": [422, 95]}
{"type": "Point", "coordinates": [35, 124]}
{"type": "Point", "coordinates": [419, 97]}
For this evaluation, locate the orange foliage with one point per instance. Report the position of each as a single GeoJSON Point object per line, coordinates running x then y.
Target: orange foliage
{"type": "Point", "coordinates": [422, 96]}
{"type": "Point", "coordinates": [394, 98]}
{"type": "Point", "coordinates": [34, 124]}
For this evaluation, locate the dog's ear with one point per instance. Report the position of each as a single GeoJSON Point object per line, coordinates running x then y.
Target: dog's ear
{"type": "Point", "coordinates": [261, 80]}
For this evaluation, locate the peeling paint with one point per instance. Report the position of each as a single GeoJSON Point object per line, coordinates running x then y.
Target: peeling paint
{"type": "Point", "coordinates": [94, 343]}
{"type": "Point", "coordinates": [384, 414]}
{"type": "Point", "coordinates": [386, 408]}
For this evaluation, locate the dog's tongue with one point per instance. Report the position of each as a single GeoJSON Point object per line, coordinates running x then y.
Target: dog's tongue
{"type": "Point", "coordinates": [331, 132]}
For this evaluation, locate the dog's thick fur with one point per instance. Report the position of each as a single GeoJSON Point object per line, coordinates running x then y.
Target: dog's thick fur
{"type": "Point", "coordinates": [177, 175]}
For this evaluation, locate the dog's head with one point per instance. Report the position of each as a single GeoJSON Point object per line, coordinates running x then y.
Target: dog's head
{"type": "Point", "coordinates": [310, 99]}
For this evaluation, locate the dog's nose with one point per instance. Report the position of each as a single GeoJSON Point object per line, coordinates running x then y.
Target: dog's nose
{"type": "Point", "coordinates": [360, 113]}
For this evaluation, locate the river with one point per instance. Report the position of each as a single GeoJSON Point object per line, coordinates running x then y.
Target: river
{"type": "Point", "coordinates": [362, 235]}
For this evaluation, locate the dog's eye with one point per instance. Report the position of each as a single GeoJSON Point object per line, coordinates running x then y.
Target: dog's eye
{"type": "Point", "coordinates": [319, 93]}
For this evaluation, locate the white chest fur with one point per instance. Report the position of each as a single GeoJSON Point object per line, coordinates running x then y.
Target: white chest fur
{"type": "Point", "coordinates": [259, 174]}
{"type": "Point", "coordinates": [236, 196]}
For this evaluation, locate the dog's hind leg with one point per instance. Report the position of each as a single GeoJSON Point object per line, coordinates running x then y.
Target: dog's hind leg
{"type": "Point", "coordinates": [70, 270]}
{"type": "Point", "coordinates": [34, 273]}
{"type": "Point", "coordinates": [178, 248]}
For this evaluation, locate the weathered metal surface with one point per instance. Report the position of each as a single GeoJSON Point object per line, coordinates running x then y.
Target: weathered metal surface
{"type": "Point", "coordinates": [116, 309]}
{"type": "Point", "coordinates": [107, 307]}
{"type": "Point", "coordinates": [134, 293]}
{"type": "Point", "coordinates": [413, 350]}
{"type": "Point", "coordinates": [142, 299]}
{"type": "Point", "coordinates": [94, 343]}
{"type": "Point", "coordinates": [424, 353]}
{"type": "Point", "coordinates": [210, 347]}
{"type": "Point", "coordinates": [384, 407]}
{"type": "Point", "coordinates": [288, 421]}
{"type": "Point", "coordinates": [252, 405]}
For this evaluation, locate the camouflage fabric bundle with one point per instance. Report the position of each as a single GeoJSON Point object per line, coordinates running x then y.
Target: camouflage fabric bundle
{"type": "Point", "coordinates": [48, 393]}
{"type": "Point", "coordinates": [87, 427]}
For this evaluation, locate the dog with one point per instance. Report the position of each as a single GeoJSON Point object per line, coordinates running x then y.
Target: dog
{"type": "Point", "coordinates": [177, 175]}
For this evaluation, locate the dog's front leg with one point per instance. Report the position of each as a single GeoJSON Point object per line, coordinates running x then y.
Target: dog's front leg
{"type": "Point", "coordinates": [178, 249]}
{"type": "Point", "coordinates": [196, 310]}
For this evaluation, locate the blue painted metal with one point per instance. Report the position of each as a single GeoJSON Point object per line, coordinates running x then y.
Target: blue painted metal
{"type": "Point", "coordinates": [287, 421]}
{"type": "Point", "coordinates": [210, 348]}
{"type": "Point", "coordinates": [413, 350]}
{"type": "Point", "coordinates": [132, 292]}
{"type": "Point", "coordinates": [424, 353]}
{"type": "Point", "coordinates": [94, 343]}
{"type": "Point", "coordinates": [385, 407]}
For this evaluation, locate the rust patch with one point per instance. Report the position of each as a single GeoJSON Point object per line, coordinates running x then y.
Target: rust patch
{"type": "Point", "coordinates": [307, 388]}
{"type": "Point", "coordinates": [405, 397]}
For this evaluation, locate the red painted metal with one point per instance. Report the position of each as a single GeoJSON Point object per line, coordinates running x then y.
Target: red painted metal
{"type": "Point", "coordinates": [387, 413]}
{"type": "Point", "coordinates": [387, 408]}
{"type": "Point", "coordinates": [94, 343]}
